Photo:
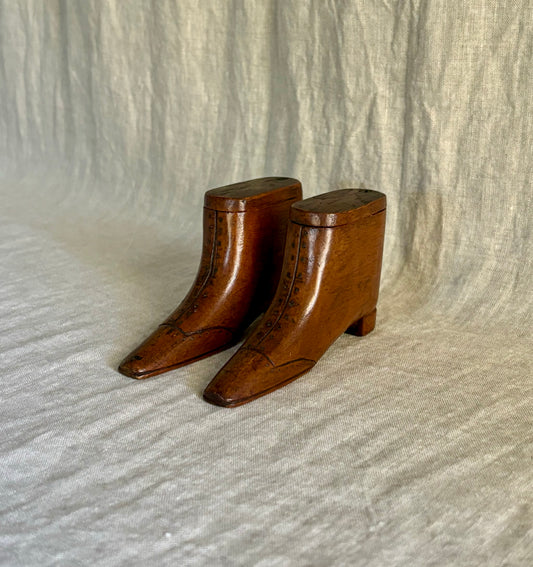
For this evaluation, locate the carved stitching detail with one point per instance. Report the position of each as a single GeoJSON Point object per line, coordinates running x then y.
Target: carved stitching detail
{"type": "Point", "coordinates": [204, 279]}
{"type": "Point", "coordinates": [294, 277]}
{"type": "Point", "coordinates": [198, 332]}
{"type": "Point", "coordinates": [211, 270]}
{"type": "Point", "coordinates": [250, 348]}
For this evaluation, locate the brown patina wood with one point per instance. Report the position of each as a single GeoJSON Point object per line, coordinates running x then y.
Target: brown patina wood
{"type": "Point", "coordinates": [329, 285]}
{"type": "Point", "coordinates": [244, 234]}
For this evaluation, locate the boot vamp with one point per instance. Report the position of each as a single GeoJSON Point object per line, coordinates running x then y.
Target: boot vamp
{"type": "Point", "coordinates": [250, 374]}
{"type": "Point", "coordinates": [169, 347]}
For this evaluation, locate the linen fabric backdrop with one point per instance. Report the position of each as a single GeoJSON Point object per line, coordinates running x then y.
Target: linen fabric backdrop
{"type": "Point", "coordinates": [411, 446]}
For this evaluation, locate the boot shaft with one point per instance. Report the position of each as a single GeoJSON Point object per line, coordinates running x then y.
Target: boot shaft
{"type": "Point", "coordinates": [330, 274]}
{"type": "Point", "coordinates": [340, 249]}
{"type": "Point", "coordinates": [244, 227]}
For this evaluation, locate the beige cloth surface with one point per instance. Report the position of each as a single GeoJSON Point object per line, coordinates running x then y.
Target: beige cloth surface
{"type": "Point", "coordinates": [412, 446]}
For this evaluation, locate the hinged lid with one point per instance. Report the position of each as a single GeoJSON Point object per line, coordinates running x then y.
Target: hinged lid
{"type": "Point", "coordinates": [336, 208]}
{"type": "Point", "coordinates": [253, 194]}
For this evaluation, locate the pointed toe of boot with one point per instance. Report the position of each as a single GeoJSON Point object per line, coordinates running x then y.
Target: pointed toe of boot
{"type": "Point", "coordinates": [216, 399]}
{"type": "Point", "coordinates": [169, 348]}
{"type": "Point", "coordinates": [131, 367]}
{"type": "Point", "coordinates": [250, 374]}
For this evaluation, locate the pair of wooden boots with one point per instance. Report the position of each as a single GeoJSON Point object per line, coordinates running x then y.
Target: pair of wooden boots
{"type": "Point", "coordinates": [312, 267]}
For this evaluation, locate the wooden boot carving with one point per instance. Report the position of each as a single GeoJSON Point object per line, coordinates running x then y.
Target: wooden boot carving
{"type": "Point", "coordinates": [244, 233]}
{"type": "Point", "coordinates": [329, 285]}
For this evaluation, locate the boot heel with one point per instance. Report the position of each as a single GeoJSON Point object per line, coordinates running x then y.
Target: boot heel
{"type": "Point", "coordinates": [363, 326]}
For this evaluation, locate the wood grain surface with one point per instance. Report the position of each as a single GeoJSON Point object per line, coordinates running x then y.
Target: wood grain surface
{"type": "Point", "coordinates": [244, 234]}
{"type": "Point", "coordinates": [329, 285]}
